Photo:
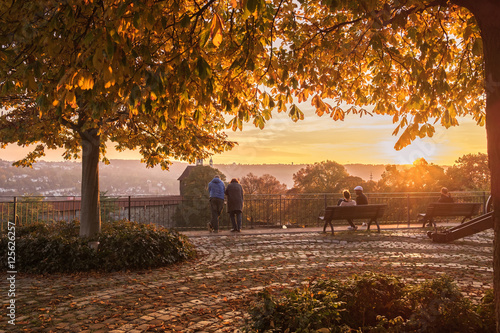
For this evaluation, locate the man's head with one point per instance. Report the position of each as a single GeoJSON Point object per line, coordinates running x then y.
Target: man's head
{"type": "Point", "coordinates": [358, 189]}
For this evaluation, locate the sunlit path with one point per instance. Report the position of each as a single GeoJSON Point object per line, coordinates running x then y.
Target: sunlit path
{"type": "Point", "coordinates": [212, 293]}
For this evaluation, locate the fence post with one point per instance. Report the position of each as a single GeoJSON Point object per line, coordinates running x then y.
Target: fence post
{"type": "Point", "coordinates": [408, 208]}
{"type": "Point", "coordinates": [281, 220]}
{"type": "Point", "coordinates": [484, 203]}
{"type": "Point", "coordinates": [15, 220]}
{"type": "Point", "coordinates": [129, 209]}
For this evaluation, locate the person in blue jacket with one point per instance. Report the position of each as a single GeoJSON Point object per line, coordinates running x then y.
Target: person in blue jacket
{"type": "Point", "coordinates": [216, 190]}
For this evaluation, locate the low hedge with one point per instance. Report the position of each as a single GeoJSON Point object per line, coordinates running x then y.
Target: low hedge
{"type": "Point", "coordinates": [373, 303]}
{"type": "Point", "coordinates": [57, 247]}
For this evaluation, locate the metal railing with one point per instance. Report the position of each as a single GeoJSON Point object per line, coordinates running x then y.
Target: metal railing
{"type": "Point", "coordinates": [188, 213]}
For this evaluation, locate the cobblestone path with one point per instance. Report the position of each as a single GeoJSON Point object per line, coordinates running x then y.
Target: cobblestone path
{"type": "Point", "coordinates": [213, 292]}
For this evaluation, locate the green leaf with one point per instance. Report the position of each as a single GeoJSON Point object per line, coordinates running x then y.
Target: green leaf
{"type": "Point", "coordinates": [204, 70]}
{"type": "Point", "coordinates": [252, 5]}
{"type": "Point", "coordinates": [204, 36]}
{"type": "Point", "coordinates": [185, 20]}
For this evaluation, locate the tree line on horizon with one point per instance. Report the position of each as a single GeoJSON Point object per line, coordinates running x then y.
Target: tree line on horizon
{"type": "Point", "coordinates": [469, 173]}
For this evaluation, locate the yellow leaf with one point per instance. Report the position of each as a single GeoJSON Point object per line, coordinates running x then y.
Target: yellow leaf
{"type": "Point", "coordinates": [71, 99]}
{"type": "Point", "coordinates": [216, 30]}
{"type": "Point", "coordinates": [55, 102]}
{"type": "Point", "coordinates": [85, 81]}
{"type": "Point", "coordinates": [181, 123]}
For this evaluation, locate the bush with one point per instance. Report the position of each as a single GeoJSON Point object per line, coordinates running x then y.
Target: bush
{"type": "Point", "coordinates": [373, 303]}
{"type": "Point", "coordinates": [57, 247]}
{"type": "Point", "coordinates": [439, 306]}
{"type": "Point", "coordinates": [486, 311]}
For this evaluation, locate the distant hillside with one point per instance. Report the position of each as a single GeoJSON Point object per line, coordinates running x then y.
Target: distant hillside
{"type": "Point", "coordinates": [131, 177]}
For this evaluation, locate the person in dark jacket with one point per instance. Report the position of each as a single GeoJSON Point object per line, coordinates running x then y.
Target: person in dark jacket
{"type": "Point", "coordinates": [445, 196]}
{"type": "Point", "coordinates": [216, 192]}
{"type": "Point", "coordinates": [234, 193]}
{"type": "Point", "coordinates": [361, 199]}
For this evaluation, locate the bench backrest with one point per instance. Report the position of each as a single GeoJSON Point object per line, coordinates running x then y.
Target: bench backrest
{"type": "Point", "coordinates": [354, 212]}
{"type": "Point", "coordinates": [453, 209]}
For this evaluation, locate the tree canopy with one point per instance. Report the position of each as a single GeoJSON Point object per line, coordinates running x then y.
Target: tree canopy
{"type": "Point", "coordinates": [265, 184]}
{"type": "Point", "coordinates": [470, 172]}
{"type": "Point", "coordinates": [163, 76]}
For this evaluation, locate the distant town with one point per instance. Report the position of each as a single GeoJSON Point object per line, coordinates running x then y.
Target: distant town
{"type": "Point", "coordinates": [131, 177]}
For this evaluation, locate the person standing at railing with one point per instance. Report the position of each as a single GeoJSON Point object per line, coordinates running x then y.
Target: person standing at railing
{"type": "Point", "coordinates": [216, 191]}
{"type": "Point", "coordinates": [234, 193]}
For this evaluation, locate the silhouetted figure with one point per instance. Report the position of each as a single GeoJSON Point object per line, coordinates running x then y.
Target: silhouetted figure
{"type": "Point", "coordinates": [347, 201]}
{"type": "Point", "coordinates": [361, 199]}
{"type": "Point", "coordinates": [234, 193]}
{"type": "Point", "coordinates": [445, 196]}
{"type": "Point", "coordinates": [216, 191]}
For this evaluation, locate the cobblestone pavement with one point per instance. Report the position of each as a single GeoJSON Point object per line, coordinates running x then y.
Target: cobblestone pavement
{"type": "Point", "coordinates": [213, 292]}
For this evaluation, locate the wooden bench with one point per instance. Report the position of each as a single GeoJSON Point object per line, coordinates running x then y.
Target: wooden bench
{"type": "Point", "coordinates": [337, 213]}
{"type": "Point", "coordinates": [467, 210]}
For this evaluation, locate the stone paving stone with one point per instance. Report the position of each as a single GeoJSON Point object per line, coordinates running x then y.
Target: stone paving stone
{"type": "Point", "coordinates": [212, 293]}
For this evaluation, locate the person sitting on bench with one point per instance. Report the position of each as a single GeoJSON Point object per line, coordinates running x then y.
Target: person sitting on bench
{"type": "Point", "coordinates": [347, 201]}
{"type": "Point", "coordinates": [445, 196]}
{"type": "Point", "coordinates": [361, 199]}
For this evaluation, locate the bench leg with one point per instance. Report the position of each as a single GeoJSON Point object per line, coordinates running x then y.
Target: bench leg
{"type": "Point", "coordinates": [370, 223]}
{"type": "Point", "coordinates": [331, 226]}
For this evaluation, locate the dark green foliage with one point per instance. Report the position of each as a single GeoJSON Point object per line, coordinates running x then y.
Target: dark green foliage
{"type": "Point", "coordinates": [438, 306]}
{"type": "Point", "coordinates": [486, 311]}
{"type": "Point", "coordinates": [373, 303]}
{"type": "Point", "coordinates": [300, 311]}
{"type": "Point", "coordinates": [137, 245]}
{"type": "Point", "coordinates": [57, 247]}
{"type": "Point", "coordinates": [370, 295]}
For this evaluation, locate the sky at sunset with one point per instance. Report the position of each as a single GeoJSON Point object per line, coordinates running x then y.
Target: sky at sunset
{"type": "Point", "coordinates": [365, 140]}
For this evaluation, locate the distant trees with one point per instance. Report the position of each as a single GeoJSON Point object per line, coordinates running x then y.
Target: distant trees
{"type": "Point", "coordinates": [322, 177]}
{"type": "Point", "coordinates": [327, 177]}
{"type": "Point", "coordinates": [471, 172]}
{"type": "Point", "coordinates": [420, 177]}
{"type": "Point", "coordinates": [265, 184]}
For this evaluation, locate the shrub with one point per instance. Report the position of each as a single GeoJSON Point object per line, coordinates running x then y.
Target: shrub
{"type": "Point", "coordinates": [57, 247]}
{"type": "Point", "coordinates": [439, 306]}
{"type": "Point", "coordinates": [370, 295]}
{"type": "Point", "coordinates": [373, 303]}
{"type": "Point", "coordinates": [486, 311]}
{"type": "Point", "coordinates": [299, 311]}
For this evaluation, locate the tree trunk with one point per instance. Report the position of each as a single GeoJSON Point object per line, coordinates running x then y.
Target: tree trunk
{"type": "Point", "coordinates": [90, 220]}
{"type": "Point", "coordinates": [487, 14]}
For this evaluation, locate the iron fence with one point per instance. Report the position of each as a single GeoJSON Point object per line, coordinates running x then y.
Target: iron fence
{"type": "Point", "coordinates": [188, 213]}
